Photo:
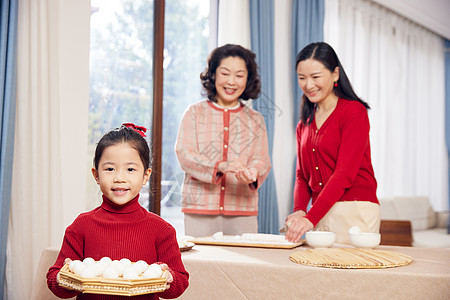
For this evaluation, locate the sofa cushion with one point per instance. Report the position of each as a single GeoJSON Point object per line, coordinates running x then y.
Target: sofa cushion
{"type": "Point", "coordinates": [416, 209]}
{"type": "Point", "coordinates": [431, 238]}
{"type": "Point", "coordinates": [387, 211]}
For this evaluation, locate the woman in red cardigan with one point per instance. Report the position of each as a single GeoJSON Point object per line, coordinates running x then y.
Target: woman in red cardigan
{"type": "Point", "coordinates": [334, 167]}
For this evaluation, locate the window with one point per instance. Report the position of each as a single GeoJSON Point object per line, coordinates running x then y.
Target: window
{"type": "Point", "coordinates": [121, 79]}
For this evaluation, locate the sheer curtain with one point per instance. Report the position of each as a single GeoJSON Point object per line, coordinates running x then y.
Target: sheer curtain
{"type": "Point", "coordinates": [262, 36]}
{"type": "Point", "coordinates": [447, 110]}
{"type": "Point", "coordinates": [398, 67]}
{"type": "Point", "coordinates": [50, 164]}
{"type": "Point", "coordinates": [234, 23]}
{"type": "Point", "coordinates": [8, 48]}
{"type": "Point", "coordinates": [284, 154]}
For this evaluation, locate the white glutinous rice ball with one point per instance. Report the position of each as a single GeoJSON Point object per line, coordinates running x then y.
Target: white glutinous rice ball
{"type": "Point", "coordinates": [140, 266]}
{"type": "Point", "coordinates": [89, 272]}
{"type": "Point", "coordinates": [110, 273]}
{"type": "Point", "coordinates": [89, 260]}
{"type": "Point", "coordinates": [126, 262]}
{"type": "Point", "coordinates": [130, 273]}
{"type": "Point", "coordinates": [114, 263]}
{"type": "Point", "coordinates": [354, 229]}
{"type": "Point", "coordinates": [106, 260]}
{"type": "Point", "coordinates": [73, 263]}
{"type": "Point", "coordinates": [153, 271]}
{"type": "Point", "coordinates": [218, 235]}
{"type": "Point", "coordinates": [118, 266]}
{"type": "Point", "coordinates": [78, 268]}
{"type": "Point", "coordinates": [100, 267]}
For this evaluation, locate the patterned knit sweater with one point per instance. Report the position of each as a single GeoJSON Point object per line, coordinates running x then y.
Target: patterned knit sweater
{"type": "Point", "coordinates": [209, 135]}
{"type": "Point", "coordinates": [121, 231]}
{"type": "Point", "coordinates": [334, 162]}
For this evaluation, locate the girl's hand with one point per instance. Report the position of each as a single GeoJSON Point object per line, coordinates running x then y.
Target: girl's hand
{"type": "Point", "coordinates": [167, 275]}
{"type": "Point", "coordinates": [298, 225]}
{"type": "Point", "coordinates": [66, 261]}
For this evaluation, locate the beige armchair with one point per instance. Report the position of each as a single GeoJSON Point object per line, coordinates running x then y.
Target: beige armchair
{"type": "Point", "coordinates": [40, 289]}
{"type": "Point", "coordinates": [428, 227]}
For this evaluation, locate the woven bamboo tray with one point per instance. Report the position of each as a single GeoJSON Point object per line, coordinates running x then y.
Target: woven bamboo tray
{"type": "Point", "coordinates": [120, 287]}
{"type": "Point", "coordinates": [350, 258]}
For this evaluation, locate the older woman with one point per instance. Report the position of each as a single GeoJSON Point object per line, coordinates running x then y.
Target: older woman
{"type": "Point", "coordinates": [222, 147]}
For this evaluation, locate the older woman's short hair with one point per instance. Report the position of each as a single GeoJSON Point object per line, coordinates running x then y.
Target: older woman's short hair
{"type": "Point", "coordinates": [253, 86]}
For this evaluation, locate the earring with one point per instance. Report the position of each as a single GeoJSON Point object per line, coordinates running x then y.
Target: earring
{"type": "Point", "coordinates": [335, 84]}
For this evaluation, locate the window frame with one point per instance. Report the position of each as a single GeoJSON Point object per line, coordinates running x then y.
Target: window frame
{"type": "Point", "coordinates": [157, 118]}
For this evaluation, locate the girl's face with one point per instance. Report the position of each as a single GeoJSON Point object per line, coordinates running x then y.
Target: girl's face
{"type": "Point", "coordinates": [315, 80]}
{"type": "Point", "coordinates": [231, 80]}
{"type": "Point", "coordinates": [121, 173]}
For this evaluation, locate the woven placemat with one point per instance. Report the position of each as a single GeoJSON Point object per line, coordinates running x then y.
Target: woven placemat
{"type": "Point", "coordinates": [350, 258]}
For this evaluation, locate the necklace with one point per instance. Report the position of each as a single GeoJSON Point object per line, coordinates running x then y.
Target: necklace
{"type": "Point", "coordinates": [321, 115]}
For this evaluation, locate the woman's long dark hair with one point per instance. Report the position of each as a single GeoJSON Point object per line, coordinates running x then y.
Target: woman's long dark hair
{"type": "Point", "coordinates": [325, 54]}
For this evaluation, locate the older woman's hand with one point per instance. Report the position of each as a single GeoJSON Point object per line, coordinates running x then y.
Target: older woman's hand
{"type": "Point", "coordinates": [247, 176]}
{"type": "Point", "coordinates": [243, 174]}
{"type": "Point", "coordinates": [297, 226]}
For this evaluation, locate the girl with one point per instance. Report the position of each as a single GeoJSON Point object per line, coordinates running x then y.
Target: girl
{"type": "Point", "coordinates": [120, 227]}
{"type": "Point", "coordinates": [222, 147]}
{"type": "Point", "coordinates": [334, 167]}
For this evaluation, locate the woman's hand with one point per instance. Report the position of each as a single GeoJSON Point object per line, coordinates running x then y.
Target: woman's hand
{"type": "Point", "coordinates": [231, 166]}
{"type": "Point", "coordinates": [247, 176]}
{"type": "Point", "coordinates": [297, 226]}
{"type": "Point", "coordinates": [242, 173]}
{"type": "Point", "coordinates": [167, 274]}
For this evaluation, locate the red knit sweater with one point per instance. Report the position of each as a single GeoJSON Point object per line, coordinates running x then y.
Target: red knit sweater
{"type": "Point", "coordinates": [334, 163]}
{"type": "Point", "coordinates": [121, 231]}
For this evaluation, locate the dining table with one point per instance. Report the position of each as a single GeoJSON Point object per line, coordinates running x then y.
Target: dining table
{"type": "Point", "coordinates": [233, 272]}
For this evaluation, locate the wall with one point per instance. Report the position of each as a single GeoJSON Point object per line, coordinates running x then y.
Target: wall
{"type": "Point", "coordinates": [432, 14]}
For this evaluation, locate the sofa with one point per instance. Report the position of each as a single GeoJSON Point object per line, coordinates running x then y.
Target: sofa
{"type": "Point", "coordinates": [429, 228]}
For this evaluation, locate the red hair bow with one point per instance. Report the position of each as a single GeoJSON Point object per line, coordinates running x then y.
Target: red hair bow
{"type": "Point", "coordinates": [139, 129]}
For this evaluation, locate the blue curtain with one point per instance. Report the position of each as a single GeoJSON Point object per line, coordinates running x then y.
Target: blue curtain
{"type": "Point", "coordinates": [261, 29]}
{"type": "Point", "coordinates": [447, 112]}
{"type": "Point", "coordinates": [8, 45]}
{"type": "Point", "coordinates": [307, 27]}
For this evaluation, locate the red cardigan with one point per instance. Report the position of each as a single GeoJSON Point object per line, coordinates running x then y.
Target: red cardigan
{"type": "Point", "coordinates": [121, 231]}
{"type": "Point", "coordinates": [334, 163]}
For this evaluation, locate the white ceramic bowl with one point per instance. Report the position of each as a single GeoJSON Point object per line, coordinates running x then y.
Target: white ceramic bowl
{"type": "Point", "coordinates": [365, 239]}
{"type": "Point", "coordinates": [320, 239]}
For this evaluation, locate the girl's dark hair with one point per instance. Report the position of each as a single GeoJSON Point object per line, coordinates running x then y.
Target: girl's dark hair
{"type": "Point", "coordinates": [325, 54]}
{"type": "Point", "coordinates": [208, 76]}
{"type": "Point", "coordinates": [123, 134]}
